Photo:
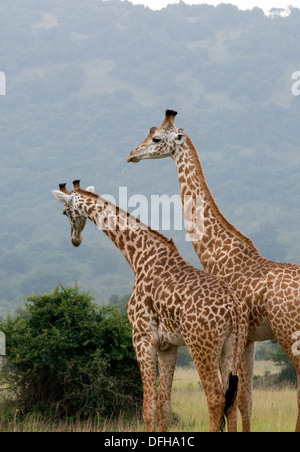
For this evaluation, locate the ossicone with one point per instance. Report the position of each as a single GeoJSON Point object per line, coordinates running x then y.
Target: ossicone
{"type": "Point", "coordinates": [169, 119]}
{"type": "Point", "coordinates": [171, 113]}
{"type": "Point", "coordinates": [76, 184]}
{"type": "Point", "coordinates": [62, 188]}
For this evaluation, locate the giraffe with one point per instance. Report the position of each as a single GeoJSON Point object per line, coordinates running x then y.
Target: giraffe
{"type": "Point", "coordinates": [271, 289]}
{"type": "Point", "coordinates": [172, 304]}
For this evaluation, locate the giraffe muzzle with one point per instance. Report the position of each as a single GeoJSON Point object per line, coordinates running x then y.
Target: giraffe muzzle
{"type": "Point", "coordinates": [76, 241]}
{"type": "Point", "coordinates": [132, 158]}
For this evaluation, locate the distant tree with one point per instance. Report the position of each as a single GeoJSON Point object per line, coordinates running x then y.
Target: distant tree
{"type": "Point", "coordinates": [119, 301]}
{"type": "Point", "coordinates": [287, 370]}
{"type": "Point", "coordinates": [184, 358]}
{"type": "Point", "coordinates": [263, 350]}
{"type": "Point", "coordinates": [276, 12]}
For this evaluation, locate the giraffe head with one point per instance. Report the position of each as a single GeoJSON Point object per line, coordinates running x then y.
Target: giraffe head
{"type": "Point", "coordinates": [77, 217]}
{"type": "Point", "coordinates": [161, 142]}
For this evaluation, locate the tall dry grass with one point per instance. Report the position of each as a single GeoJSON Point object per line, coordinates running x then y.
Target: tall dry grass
{"type": "Point", "coordinates": [273, 411]}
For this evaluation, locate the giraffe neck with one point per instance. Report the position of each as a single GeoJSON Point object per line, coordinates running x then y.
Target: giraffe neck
{"type": "Point", "coordinates": [135, 240]}
{"type": "Point", "coordinates": [215, 238]}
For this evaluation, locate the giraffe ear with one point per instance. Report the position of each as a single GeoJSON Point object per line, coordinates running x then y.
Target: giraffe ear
{"type": "Point", "coordinates": [62, 197]}
{"type": "Point", "coordinates": [91, 189]}
{"type": "Point", "coordinates": [180, 138]}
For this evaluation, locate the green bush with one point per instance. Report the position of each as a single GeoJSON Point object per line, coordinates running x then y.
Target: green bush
{"type": "Point", "coordinates": [287, 372]}
{"type": "Point", "coordinates": [70, 357]}
{"type": "Point", "coordinates": [184, 358]}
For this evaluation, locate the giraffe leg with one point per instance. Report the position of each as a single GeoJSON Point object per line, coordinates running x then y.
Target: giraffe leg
{"type": "Point", "coordinates": [205, 348]}
{"type": "Point", "coordinates": [146, 356]}
{"type": "Point", "coordinates": [246, 386]}
{"type": "Point", "coordinates": [295, 359]}
{"type": "Point", "coordinates": [286, 326]}
{"type": "Point", "coordinates": [298, 398]}
{"type": "Point", "coordinates": [208, 372]}
{"type": "Point", "coordinates": [167, 362]}
{"type": "Point", "coordinates": [215, 399]}
{"type": "Point", "coordinates": [226, 364]}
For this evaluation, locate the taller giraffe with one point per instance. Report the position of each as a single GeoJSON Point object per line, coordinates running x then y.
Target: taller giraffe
{"type": "Point", "coordinates": [271, 289]}
{"type": "Point", "coordinates": [172, 304]}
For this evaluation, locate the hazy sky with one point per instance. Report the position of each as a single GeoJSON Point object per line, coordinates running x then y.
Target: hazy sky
{"type": "Point", "coordinates": [266, 5]}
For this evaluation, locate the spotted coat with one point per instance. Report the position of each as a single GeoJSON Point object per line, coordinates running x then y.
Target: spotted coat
{"type": "Point", "coordinates": [172, 304]}
{"type": "Point", "coordinates": [270, 289]}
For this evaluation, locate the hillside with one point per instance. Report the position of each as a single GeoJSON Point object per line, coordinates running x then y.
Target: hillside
{"type": "Point", "coordinates": [84, 83]}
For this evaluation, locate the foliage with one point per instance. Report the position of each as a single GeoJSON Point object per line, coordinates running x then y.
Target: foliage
{"type": "Point", "coordinates": [184, 358]}
{"type": "Point", "coordinates": [69, 356]}
{"type": "Point", "coordinates": [119, 301]}
{"type": "Point", "coordinates": [287, 372]}
{"type": "Point", "coordinates": [263, 350]}
{"type": "Point", "coordinates": [273, 352]}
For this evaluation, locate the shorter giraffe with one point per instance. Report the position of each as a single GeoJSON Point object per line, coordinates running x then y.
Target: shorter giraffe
{"type": "Point", "coordinates": [172, 304]}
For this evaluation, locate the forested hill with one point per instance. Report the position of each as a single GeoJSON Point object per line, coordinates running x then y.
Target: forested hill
{"type": "Point", "coordinates": [85, 80]}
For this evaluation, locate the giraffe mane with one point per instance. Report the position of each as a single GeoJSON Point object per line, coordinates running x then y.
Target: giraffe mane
{"type": "Point", "coordinates": [87, 193]}
{"type": "Point", "coordinates": [169, 242]}
{"type": "Point", "coordinates": [215, 208]}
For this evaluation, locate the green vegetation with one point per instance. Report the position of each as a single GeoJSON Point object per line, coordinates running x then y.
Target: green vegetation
{"type": "Point", "coordinates": [71, 367]}
{"type": "Point", "coordinates": [273, 411]}
{"type": "Point", "coordinates": [70, 357]}
{"type": "Point", "coordinates": [86, 81]}
{"type": "Point", "coordinates": [287, 372]}
{"type": "Point", "coordinates": [284, 372]}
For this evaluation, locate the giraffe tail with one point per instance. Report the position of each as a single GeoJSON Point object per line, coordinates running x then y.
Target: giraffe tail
{"type": "Point", "coordinates": [240, 334]}
{"type": "Point", "coordinates": [230, 397]}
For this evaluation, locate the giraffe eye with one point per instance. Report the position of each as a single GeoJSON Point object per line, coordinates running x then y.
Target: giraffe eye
{"type": "Point", "coordinates": [64, 212]}
{"type": "Point", "coordinates": [156, 140]}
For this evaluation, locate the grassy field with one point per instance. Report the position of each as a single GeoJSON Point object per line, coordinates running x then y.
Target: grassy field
{"type": "Point", "coordinates": [273, 410]}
